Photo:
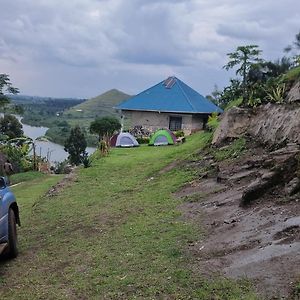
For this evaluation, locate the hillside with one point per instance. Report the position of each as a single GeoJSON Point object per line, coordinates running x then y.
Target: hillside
{"type": "Point", "coordinates": [129, 240]}
{"type": "Point", "coordinates": [163, 223]}
{"type": "Point", "coordinates": [99, 106]}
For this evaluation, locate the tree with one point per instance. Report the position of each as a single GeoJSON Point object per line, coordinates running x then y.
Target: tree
{"type": "Point", "coordinates": [243, 57]}
{"type": "Point", "coordinates": [11, 127]}
{"type": "Point", "coordinates": [6, 87]}
{"type": "Point", "coordinates": [75, 145]}
{"type": "Point", "coordinates": [105, 127]}
{"type": "Point", "coordinates": [295, 46]}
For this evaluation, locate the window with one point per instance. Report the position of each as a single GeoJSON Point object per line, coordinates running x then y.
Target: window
{"type": "Point", "coordinates": [175, 123]}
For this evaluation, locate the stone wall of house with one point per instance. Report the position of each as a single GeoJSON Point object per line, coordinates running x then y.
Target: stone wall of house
{"type": "Point", "coordinates": [198, 123]}
{"type": "Point", "coordinates": [154, 120]}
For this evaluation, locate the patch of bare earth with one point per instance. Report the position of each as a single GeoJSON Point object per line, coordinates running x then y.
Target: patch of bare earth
{"type": "Point", "coordinates": [61, 185]}
{"type": "Point", "coordinates": [259, 241]}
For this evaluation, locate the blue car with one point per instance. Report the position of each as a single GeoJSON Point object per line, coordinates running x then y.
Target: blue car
{"type": "Point", "coordinates": [9, 218]}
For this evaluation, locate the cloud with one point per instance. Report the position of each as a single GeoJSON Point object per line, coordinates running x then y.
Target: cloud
{"type": "Point", "coordinates": [84, 47]}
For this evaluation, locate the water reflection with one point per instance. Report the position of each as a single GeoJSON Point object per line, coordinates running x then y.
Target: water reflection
{"type": "Point", "coordinates": [54, 152]}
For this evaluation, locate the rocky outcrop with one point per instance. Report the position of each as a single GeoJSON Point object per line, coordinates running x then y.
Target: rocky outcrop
{"type": "Point", "coordinates": [294, 94]}
{"type": "Point", "coordinates": [270, 124]}
{"type": "Point", "coordinates": [285, 162]}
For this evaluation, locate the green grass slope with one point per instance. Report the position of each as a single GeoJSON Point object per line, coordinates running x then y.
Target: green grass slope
{"type": "Point", "coordinates": [99, 106]}
{"type": "Point", "coordinates": [115, 233]}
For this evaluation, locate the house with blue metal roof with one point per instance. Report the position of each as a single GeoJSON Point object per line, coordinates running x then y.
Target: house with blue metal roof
{"type": "Point", "coordinates": [169, 104]}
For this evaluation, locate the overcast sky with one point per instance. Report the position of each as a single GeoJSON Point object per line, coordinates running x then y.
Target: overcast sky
{"type": "Point", "coordinates": [82, 48]}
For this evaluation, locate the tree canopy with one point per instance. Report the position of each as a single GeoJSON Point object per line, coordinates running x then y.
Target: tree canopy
{"type": "Point", "coordinates": [244, 57]}
{"type": "Point", "coordinates": [76, 145]}
{"type": "Point", "coordinates": [6, 87]}
{"type": "Point", "coordinates": [10, 127]}
{"type": "Point", "coordinates": [105, 127]}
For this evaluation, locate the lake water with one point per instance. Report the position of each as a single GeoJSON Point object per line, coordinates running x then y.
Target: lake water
{"type": "Point", "coordinates": [54, 152]}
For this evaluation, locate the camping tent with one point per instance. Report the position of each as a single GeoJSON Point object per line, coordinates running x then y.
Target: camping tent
{"type": "Point", "coordinates": [123, 139]}
{"type": "Point", "coordinates": [162, 137]}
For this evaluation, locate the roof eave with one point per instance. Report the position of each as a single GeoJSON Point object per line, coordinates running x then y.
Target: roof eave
{"type": "Point", "coordinates": [170, 111]}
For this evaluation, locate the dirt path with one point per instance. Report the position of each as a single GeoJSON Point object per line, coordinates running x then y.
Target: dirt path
{"type": "Point", "coordinates": [260, 242]}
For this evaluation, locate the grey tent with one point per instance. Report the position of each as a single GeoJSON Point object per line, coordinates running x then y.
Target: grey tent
{"type": "Point", "coordinates": [125, 139]}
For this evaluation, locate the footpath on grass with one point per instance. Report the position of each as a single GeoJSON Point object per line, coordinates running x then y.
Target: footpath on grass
{"type": "Point", "coordinates": [115, 232]}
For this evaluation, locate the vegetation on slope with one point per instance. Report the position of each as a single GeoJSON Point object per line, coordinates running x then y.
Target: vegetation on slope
{"type": "Point", "coordinates": [61, 114]}
{"type": "Point", "coordinates": [99, 106]}
{"type": "Point", "coordinates": [116, 233]}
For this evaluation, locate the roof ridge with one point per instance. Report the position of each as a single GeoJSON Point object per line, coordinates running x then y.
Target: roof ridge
{"type": "Point", "coordinates": [187, 98]}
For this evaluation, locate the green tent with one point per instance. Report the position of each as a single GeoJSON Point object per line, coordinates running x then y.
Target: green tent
{"type": "Point", "coordinates": [162, 137]}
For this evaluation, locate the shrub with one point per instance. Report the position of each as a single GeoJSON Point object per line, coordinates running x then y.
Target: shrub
{"type": "Point", "coordinates": [213, 122]}
{"type": "Point", "coordinates": [179, 133]}
{"type": "Point", "coordinates": [143, 140]}
{"type": "Point", "coordinates": [236, 102]}
{"type": "Point", "coordinates": [86, 161]}
{"type": "Point", "coordinates": [61, 167]}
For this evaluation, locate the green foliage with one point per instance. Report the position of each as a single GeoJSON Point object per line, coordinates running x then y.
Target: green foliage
{"type": "Point", "coordinates": [59, 134]}
{"type": "Point", "coordinates": [26, 176]}
{"type": "Point", "coordinates": [262, 81]}
{"type": "Point", "coordinates": [296, 291]}
{"type": "Point", "coordinates": [276, 94]}
{"type": "Point", "coordinates": [244, 57]}
{"type": "Point", "coordinates": [213, 122]}
{"type": "Point", "coordinates": [60, 167]}
{"type": "Point", "coordinates": [75, 145]}
{"type": "Point", "coordinates": [18, 156]}
{"type": "Point", "coordinates": [86, 160]}
{"type": "Point", "coordinates": [179, 133]}
{"type": "Point", "coordinates": [235, 149]}
{"type": "Point", "coordinates": [230, 92]}
{"type": "Point", "coordinates": [143, 140]}
{"type": "Point", "coordinates": [10, 126]}
{"type": "Point", "coordinates": [6, 87]}
{"type": "Point", "coordinates": [105, 127]}
{"type": "Point", "coordinates": [98, 107]}
{"type": "Point", "coordinates": [120, 236]}
{"type": "Point", "coordinates": [292, 75]}
{"type": "Point", "coordinates": [236, 102]}
{"type": "Point", "coordinates": [295, 49]}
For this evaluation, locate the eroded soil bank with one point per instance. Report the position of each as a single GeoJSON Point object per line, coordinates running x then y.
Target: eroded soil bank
{"type": "Point", "coordinates": [257, 239]}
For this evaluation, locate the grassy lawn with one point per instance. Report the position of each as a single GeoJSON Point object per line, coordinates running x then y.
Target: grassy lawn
{"type": "Point", "coordinates": [115, 233]}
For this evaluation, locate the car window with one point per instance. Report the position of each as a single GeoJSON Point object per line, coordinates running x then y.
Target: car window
{"type": "Point", "coordinates": [2, 183]}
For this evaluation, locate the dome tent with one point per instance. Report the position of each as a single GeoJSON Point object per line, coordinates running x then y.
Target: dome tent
{"type": "Point", "coordinates": [162, 137]}
{"type": "Point", "coordinates": [123, 139]}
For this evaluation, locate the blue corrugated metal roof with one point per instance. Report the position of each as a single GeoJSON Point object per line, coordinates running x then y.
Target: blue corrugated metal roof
{"type": "Point", "coordinates": [170, 95]}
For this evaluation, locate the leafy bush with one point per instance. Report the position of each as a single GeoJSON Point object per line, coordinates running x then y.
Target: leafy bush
{"type": "Point", "coordinates": [213, 122]}
{"type": "Point", "coordinates": [86, 160]}
{"type": "Point", "coordinates": [143, 140]}
{"type": "Point", "coordinates": [292, 75]}
{"type": "Point", "coordinates": [179, 133]}
{"type": "Point", "coordinates": [236, 102]}
{"type": "Point", "coordinates": [20, 161]}
{"type": "Point", "coordinates": [60, 167]}
{"type": "Point", "coordinates": [276, 94]}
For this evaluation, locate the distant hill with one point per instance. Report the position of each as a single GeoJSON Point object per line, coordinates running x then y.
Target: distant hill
{"type": "Point", "coordinates": [25, 99]}
{"type": "Point", "coordinates": [99, 106]}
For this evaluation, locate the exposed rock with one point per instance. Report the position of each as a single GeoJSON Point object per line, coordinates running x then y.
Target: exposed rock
{"type": "Point", "coordinates": [234, 123]}
{"type": "Point", "coordinates": [293, 186]}
{"type": "Point", "coordinates": [286, 165]}
{"type": "Point", "coordinates": [270, 124]}
{"type": "Point", "coordinates": [294, 93]}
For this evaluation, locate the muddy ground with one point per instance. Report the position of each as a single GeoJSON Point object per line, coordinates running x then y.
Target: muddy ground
{"type": "Point", "coordinates": [259, 241]}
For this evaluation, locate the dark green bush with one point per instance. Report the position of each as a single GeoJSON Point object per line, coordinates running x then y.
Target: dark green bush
{"type": "Point", "coordinates": [143, 140]}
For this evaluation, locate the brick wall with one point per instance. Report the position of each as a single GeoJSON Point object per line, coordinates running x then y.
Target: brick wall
{"type": "Point", "coordinates": [154, 120]}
